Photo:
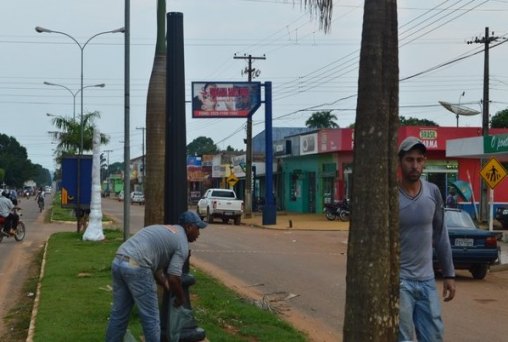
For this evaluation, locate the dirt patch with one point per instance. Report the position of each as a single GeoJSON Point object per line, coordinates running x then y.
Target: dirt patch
{"type": "Point", "coordinates": [17, 295]}
{"type": "Point", "coordinates": [278, 302]}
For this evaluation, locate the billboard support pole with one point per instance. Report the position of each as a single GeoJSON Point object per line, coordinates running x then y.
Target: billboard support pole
{"type": "Point", "coordinates": [269, 210]}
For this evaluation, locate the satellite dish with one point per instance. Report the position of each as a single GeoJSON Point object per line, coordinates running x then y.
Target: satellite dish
{"type": "Point", "coordinates": [459, 110]}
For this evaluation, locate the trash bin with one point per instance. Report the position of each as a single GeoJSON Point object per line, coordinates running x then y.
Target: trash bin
{"type": "Point", "coordinates": [502, 216]}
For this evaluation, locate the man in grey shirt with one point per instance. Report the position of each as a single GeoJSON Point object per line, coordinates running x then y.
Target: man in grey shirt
{"type": "Point", "coordinates": [155, 254]}
{"type": "Point", "coordinates": [421, 216]}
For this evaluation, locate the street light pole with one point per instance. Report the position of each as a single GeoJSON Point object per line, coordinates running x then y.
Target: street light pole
{"type": "Point", "coordinates": [82, 48]}
{"type": "Point", "coordinates": [100, 85]}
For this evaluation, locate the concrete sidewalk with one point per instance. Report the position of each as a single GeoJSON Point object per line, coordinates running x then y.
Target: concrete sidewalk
{"type": "Point", "coordinates": [297, 221]}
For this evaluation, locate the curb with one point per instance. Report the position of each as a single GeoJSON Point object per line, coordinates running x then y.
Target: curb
{"type": "Point", "coordinates": [499, 268]}
{"type": "Point", "coordinates": [35, 308]}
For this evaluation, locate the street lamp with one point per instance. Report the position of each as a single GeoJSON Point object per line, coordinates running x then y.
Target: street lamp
{"type": "Point", "coordinates": [82, 48]}
{"type": "Point", "coordinates": [101, 85]}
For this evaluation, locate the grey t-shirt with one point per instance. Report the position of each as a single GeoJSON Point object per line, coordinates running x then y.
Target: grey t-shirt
{"type": "Point", "coordinates": [5, 206]}
{"type": "Point", "coordinates": [158, 247]}
{"type": "Point", "coordinates": [421, 227]}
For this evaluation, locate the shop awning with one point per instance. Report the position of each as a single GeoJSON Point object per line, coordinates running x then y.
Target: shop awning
{"type": "Point", "coordinates": [488, 146]}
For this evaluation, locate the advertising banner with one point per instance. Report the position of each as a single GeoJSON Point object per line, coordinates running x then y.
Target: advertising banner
{"type": "Point", "coordinates": [70, 179]}
{"type": "Point", "coordinates": [225, 99]}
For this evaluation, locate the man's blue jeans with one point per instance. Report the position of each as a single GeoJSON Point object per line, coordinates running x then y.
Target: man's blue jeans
{"type": "Point", "coordinates": [133, 284]}
{"type": "Point", "coordinates": [420, 310]}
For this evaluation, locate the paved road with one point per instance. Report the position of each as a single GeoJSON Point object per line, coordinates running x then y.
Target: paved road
{"type": "Point", "coordinates": [311, 265]}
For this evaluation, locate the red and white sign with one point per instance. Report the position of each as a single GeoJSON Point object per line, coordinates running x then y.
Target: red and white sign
{"type": "Point", "coordinates": [225, 99]}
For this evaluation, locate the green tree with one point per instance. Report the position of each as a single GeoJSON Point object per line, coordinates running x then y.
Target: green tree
{"type": "Point", "coordinates": [41, 176]}
{"type": "Point", "coordinates": [416, 122]}
{"type": "Point", "coordinates": [201, 145]}
{"type": "Point", "coordinates": [69, 136]}
{"type": "Point", "coordinates": [16, 165]}
{"type": "Point", "coordinates": [500, 119]}
{"type": "Point", "coordinates": [156, 126]}
{"type": "Point", "coordinates": [323, 119]}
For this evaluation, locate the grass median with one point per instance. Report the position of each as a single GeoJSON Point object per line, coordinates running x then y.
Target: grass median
{"type": "Point", "coordinates": [76, 297]}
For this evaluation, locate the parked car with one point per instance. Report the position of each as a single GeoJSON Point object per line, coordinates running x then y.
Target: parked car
{"type": "Point", "coordinates": [120, 196]}
{"type": "Point", "coordinates": [473, 249]}
{"type": "Point", "coordinates": [220, 203]}
{"type": "Point", "coordinates": [137, 197]}
{"type": "Point", "coordinates": [502, 216]}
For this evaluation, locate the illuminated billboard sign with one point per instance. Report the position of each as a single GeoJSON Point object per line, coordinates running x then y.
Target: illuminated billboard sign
{"type": "Point", "coordinates": [225, 99]}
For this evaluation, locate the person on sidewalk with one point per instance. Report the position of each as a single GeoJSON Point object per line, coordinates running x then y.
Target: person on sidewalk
{"type": "Point", "coordinates": [421, 216]}
{"type": "Point", "coordinates": [451, 199]}
{"type": "Point", "coordinates": [155, 254]}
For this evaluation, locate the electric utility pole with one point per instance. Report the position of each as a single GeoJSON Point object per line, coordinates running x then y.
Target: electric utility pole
{"type": "Point", "coordinates": [142, 158]}
{"type": "Point", "coordinates": [486, 40]}
{"type": "Point", "coordinates": [251, 73]}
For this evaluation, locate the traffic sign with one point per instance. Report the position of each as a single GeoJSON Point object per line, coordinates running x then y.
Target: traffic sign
{"type": "Point", "coordinates": [232, 180]}
{"type": "Point", "coordinates": [493, 173]}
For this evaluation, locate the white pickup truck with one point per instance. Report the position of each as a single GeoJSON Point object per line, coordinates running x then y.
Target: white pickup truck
{"type": "Point", "coordinates": [221, 203]}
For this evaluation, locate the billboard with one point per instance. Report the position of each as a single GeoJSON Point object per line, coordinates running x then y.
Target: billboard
{"type": "Point", "coordinates": [70, 179]}
{"type": "Point", "coordinates": [225, 99]}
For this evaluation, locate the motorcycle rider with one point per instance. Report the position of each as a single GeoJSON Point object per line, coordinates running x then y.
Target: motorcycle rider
{"type": "Point", "coordinates": [39, 198]}
{"type": "Point", "coordinates": [6, 210]}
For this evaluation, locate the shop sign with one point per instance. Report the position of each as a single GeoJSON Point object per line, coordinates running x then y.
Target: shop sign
{"type": "Point", "coordinates": [495, 143]}
{"type": "Point", "coordinates": [429, 138]}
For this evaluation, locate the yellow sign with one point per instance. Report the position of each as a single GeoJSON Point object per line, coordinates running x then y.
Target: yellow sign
{"type": "Point", "coordinates": [232, 180]}
{"type": "Point", "coordinates": [493, 173]}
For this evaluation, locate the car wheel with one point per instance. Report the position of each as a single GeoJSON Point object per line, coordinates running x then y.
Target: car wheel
{"type": "Point", "coordinates": [237, 220]}
{"type": "Point", "coordinates": [479, 271]}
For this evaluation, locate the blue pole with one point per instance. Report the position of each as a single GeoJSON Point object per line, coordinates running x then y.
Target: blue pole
{"type": "Point", "coordinates": [269, 212]}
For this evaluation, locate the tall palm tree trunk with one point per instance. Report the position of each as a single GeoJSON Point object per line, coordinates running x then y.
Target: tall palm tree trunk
{"type": "Point", "coordinates": [156, 126]}
{"type": "Point", "coordinates": [372, 292]}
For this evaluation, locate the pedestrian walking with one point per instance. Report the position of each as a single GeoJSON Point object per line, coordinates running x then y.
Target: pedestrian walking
{"type": "Point", "coordinates": [156, 254]}
{"type": "Point", "coordinates": [451, 199]}
{"type": "Point", "coordinates": [421, 227]}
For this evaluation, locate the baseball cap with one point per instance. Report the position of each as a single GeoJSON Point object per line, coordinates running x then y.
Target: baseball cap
{"type": "Point", "coordinates": [411, 142]}
{"type": "Point", "coordinates": [191, 217]}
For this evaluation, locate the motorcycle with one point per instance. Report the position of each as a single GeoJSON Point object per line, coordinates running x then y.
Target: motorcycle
{"type": "Point", "coordinates": [345, 210]}
{"type": "Point", "coordinates": [331, 211]}
{"type": "Point", "coordinates": [339, 210]}
{"type": "Point", "coordinates": [19, 234]}
{"type": "Point", "coordinates": [40, 202]}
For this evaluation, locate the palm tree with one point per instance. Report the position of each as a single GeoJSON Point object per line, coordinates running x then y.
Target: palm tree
{"type": "Point", "coordinates": [156, 125]}
{"type": "Point", "coordinates": [372, 296]}
{"type": "Point", "coordinates": [322, 120]}
{"type": "Point", "coordinates": [69, 136]}
{"type": "Point", "coordinates": [372, 291]}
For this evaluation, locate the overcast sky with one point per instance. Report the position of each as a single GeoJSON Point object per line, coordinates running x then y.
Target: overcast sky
{"type": "Point", "coordinates": [309, 70]}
